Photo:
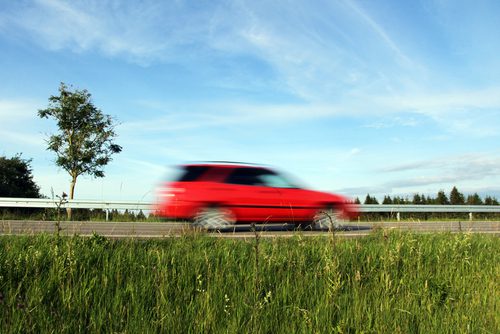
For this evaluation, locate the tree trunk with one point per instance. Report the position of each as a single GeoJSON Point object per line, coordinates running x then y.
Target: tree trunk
{"type": "Point", "coordinates": [71, 195]}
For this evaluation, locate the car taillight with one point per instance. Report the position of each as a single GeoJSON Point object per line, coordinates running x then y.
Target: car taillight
{"type": "Point", "coordinates": [176, 190]}
{"type": "Point", "coordinates": [171, 191]}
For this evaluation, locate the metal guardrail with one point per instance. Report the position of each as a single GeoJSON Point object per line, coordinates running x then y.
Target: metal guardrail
{"type": "Point", "coordinates": [9, 202]}
{"type": "Point", "coordinates": [397, 209]}
{"type": "Point", "coordinates": [428, 208]}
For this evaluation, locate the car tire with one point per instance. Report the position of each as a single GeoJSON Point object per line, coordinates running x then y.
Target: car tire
{"type": "Point", "coordinates": [213, 218]}
{"type": "Point", "coordinates": [327, 219]}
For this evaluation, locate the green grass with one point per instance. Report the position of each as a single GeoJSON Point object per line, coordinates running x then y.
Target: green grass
{"type": "Point", "coordinates": [384, 283]}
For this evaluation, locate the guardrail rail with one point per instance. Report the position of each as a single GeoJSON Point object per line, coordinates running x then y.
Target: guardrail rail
{"type": "Point", "coordinates": [397, 209]}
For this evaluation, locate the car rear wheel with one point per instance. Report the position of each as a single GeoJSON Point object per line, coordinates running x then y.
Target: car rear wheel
{"type": "Point", "coordinates": [213, 218]}
{"type": "Point", "coordinates": [327, 219]}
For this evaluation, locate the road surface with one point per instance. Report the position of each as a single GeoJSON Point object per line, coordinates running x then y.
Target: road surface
{"type": "Point", "coordinates": [168, 229]}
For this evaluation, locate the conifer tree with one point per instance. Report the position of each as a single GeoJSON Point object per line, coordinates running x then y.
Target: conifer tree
{"type": "Point", "coordinates": [370, 200]}
{"type": "Point", "coordinates": [474, 199]}
{"type": "Point", "coordinates": [417, 199]}
{"type": "Point", "coordinates": [387, 200]}
{"type": "Point", "coordinates": [441, 198]}
{"type": "Point", "coordinates": [456, 197]}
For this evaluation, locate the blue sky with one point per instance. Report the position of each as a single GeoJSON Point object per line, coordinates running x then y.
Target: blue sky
{"type": "Point", "coordinates": [356, 97]}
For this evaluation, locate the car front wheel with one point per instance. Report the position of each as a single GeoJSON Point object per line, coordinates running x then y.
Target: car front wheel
{"type": "Point", "coordinates": [327, 219]}
{"type": "Point", "coordinates": [213, 218]}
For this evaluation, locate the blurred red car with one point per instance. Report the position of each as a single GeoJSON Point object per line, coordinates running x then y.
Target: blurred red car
{"type": "Point", "coordinates": [215, 195]}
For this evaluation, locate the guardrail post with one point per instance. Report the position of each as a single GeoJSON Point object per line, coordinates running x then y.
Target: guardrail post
{"type": "Point", "coordinates": [398, 216]}
{"type": "Point", "coordinates": [470, 216]}
{"type": "Point", "coordinates": [107, 215]}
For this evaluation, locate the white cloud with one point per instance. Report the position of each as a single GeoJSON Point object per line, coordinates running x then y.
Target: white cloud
{"type": "Point", "coordinates": [18, 118]}
{"type": "Point", "coordinates": [140, 32]}
{"type": "Point", "coordinates": [390, 122]}
{"type": "Point", "coordinates": [442, 103]}
{"type": "Point", "coordinates": [474, 170]}
{"type": "Point", "coordinates": [141, 165]}
{"type": "Point", "coordinates": [383, 35]}
{"type": "Point", "coordinates": [20, 138]}
{"type": "Point", "coordinates": [315, 53]}
{"type": "Point", "coordinates": [473, 113]}
{"type": "Point", "coordinates": [15, 110]}
{"type": "Point", "coordinates": [355, 151]}
{"type": "Point", "coordinates": [467, 112]}
{"type": "Point", "coordinates": [216, 115]}
{"type": "Point", "coordinates": [482, 164]}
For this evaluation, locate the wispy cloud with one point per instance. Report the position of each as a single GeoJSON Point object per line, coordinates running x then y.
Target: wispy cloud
{"type": "Point", "coordinates": [138, 165]}
{"type": "Point", "coordinates": [16, 110]}
{"type": "Point", "coordinates": [483, 164]}
{"type": "Point", "coordinates": [383, 35]}
{"type": "Point", "coordinates": [141, 32]}
{"type": "Point", "coordinates": [445, 171]}
{"type": "Point", "coordinates": [217, 115]}
{"type": "Point", "coordinates": [22, 138]}
{"type": "Point", "coordinates": [18, 118]}
{"type": "Point", "coordinates": [316, 54]}
{"type": "Point", "coordinates": [435, 103]}
{"type": "Point", "coordinates": [473, 111]}
{"type": "Point", "coordinates": [389, 122]}
{"type": "Point", "coordinates": [474, 172]}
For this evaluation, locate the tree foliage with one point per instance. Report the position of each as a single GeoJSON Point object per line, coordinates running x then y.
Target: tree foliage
{"type": "Point", "coordinates": [456, 197]}
{"type": "Point", "coordinates": [474, 199]}
{"type": "Point", "coordinates": [387, 200]}
{"type": "Point", "coordinates": [441, 198]}
{"type": "Point", "coordinates": [488, 200]}
{"type": "Point", "coordinates": [417, 199]}
{"type": "Point", "coordinates": [370, 200]}
{"type": "Point", "coordinates": [16, 179]}
{"type": "Point", "coordinates": [84, 141]}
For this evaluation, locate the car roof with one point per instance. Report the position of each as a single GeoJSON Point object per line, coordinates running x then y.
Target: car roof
{"type": "Point", "coordinates": [225, 164]}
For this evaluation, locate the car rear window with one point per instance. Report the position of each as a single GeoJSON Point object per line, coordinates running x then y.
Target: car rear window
{"type": "Point", "coordinates": [192, 173]}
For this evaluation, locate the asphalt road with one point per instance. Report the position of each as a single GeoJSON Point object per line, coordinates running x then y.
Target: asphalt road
{"type": "Point", "coordinates": [169, 229]}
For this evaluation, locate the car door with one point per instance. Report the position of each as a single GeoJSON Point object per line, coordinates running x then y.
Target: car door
{"type": "Point", "coordinates": [299, 204]}
{"type": "Point", "coordinates": [251, 199]}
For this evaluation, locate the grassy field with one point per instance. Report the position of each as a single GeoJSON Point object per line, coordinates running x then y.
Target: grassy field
{"type": "Point", "coordinates": [384, 283]}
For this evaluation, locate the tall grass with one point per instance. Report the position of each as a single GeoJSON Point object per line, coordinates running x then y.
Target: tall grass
{"type": "Point", "coordinates": [391, 283]}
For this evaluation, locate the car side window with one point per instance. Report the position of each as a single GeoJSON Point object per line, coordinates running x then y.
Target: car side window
{"type": "Point", "coordinates": [192, 173]}
{"type": "Point", "coordinates": [246, 176]}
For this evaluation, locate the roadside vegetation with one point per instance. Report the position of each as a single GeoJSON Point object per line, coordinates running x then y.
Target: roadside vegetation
{"type": "Point", "coordinates": [386, 283]}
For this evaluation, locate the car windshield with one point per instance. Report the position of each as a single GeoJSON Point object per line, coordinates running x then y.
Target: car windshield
{"type": "Point", "coordinates": [276, 181]}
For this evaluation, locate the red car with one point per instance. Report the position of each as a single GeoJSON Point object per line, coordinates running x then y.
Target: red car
{"type": "Point", "coordinates": [215, 195]}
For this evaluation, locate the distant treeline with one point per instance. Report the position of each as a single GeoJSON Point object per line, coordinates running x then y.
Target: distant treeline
{"type": "Point", "coordinates": [455, 198]}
